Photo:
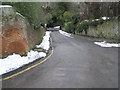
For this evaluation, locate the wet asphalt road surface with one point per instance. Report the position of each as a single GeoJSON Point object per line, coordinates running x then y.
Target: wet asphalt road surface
{"type": "Point", "coordinates": [75, 63]}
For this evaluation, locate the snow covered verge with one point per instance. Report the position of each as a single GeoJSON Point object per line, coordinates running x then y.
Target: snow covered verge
{"type": "Point", "coordinates": [1, 6]}
{"type": "Point", "coordinates": [65, 33]}
{"type": "Point", "coordinates": [45, 43]}
{"type": "Point", "coordinates": [57, 27]}
{"type": "Point", "coordinates": [104, 18]}
{"type": "Point", "coordinates": [15, 61]}
{"type": "Point", "coordinates": [105, 44]}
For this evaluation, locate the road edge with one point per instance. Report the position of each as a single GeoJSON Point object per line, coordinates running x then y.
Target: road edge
{"type": "Point", "coordinates": [29, 68]}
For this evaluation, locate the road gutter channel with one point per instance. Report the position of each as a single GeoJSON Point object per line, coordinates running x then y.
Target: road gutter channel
{"type": "Point", "coordinates": [39, 63]}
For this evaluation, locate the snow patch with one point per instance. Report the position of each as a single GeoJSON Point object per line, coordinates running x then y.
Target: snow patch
{"type": "Point", "coordinates": [45, 24]}
{"type": "Point", "coordinates": [15, 61]}
{"type": "Point", "coordinates": [20, 15]}
{"type": "Point", "coordinates": [32, 55]}
{"type": "Point", "coordinates": [86, 20]}
{"type": "Point", "coordinates": [104, 44]}
{"type": "Point", "coordinates": [104, 18]}
{"type": "Point", "coordinates": [45, 43]}
{"type": "Point", "coordinates": [57, 27]}
{"type": "Point", "coordinates": [2, 6]}
{"type": "Point", "coordinates": [97, 19]}
{"type": "Point", "coordinates": [65, 33]}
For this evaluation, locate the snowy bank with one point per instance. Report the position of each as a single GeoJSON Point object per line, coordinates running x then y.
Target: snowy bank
{"type": "Point", "coordinates": [15, 61]}
{"type": "Point", "coordinates": [104, 44]}
{"type": "Point", "coordinates": [65, 33]}
{"type": "Point", "coordinates": [2, 6]}
{"type": "Point", "coordinates": [45, 43]}
{"type": "Point", "coordinates": [104, 18]}
{"type": "Point", "coordinates": [57, 27]}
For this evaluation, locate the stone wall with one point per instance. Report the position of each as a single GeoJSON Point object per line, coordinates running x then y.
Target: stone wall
{"type": "Point", "coordinates": [16, 35]}
{"type": "Point", "coordinates": [108, 29]}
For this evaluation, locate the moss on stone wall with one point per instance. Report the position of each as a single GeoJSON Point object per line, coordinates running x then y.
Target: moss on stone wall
{"type": "Point", "coordinates": [108, 30]}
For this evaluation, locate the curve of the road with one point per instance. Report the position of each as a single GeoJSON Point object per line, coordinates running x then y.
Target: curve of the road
{"type": "Point", "coordinates": [76, 63]}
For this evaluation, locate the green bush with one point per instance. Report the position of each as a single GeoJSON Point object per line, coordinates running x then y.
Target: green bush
{"type": "Point", "coordinates": [69, 27]}
{"type": "Point", "coordinates": [67, 16]}
{"type": "Point", "coordinates": [70, 21]}
{"type": "Point", "coordinates": [79, 28]}
{"type": "Point", "coordinates": [96, 22]}
{"type": "Point", "coordinates": [93, 23]}
{"type": "Point", "coordinates": [82, 27]}
{"type": "Point", "coordinates": [37, 25]}
{"type": "Point", "coordinates": [75, 18]}
{"type": "Point", "coordinates": [60, 21]}
{"type": "Point", "coordinates": [50, 23]}
{"type": "Point", "coordinates": [100, 21]}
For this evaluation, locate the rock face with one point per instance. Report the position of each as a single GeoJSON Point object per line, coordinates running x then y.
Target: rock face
{"type": "Point", "coordinates": [15, 33]}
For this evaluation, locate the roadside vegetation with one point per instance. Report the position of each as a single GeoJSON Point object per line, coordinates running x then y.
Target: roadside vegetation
{"type": "Point", "coordinates": [73, 17]}
{"type": "Point", "coordinates": [84, 25]}
{"type": "Point", "coordinates": [78, 17]}
{"type": "Point", "coordinates": [33, 11]}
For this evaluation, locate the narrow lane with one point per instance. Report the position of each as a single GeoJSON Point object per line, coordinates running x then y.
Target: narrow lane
{"type": "Point", "coordinates": [76, 63]}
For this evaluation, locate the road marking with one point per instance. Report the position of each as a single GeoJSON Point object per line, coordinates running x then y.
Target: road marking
{"type": "Point", "coordinates": [29, 67]}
